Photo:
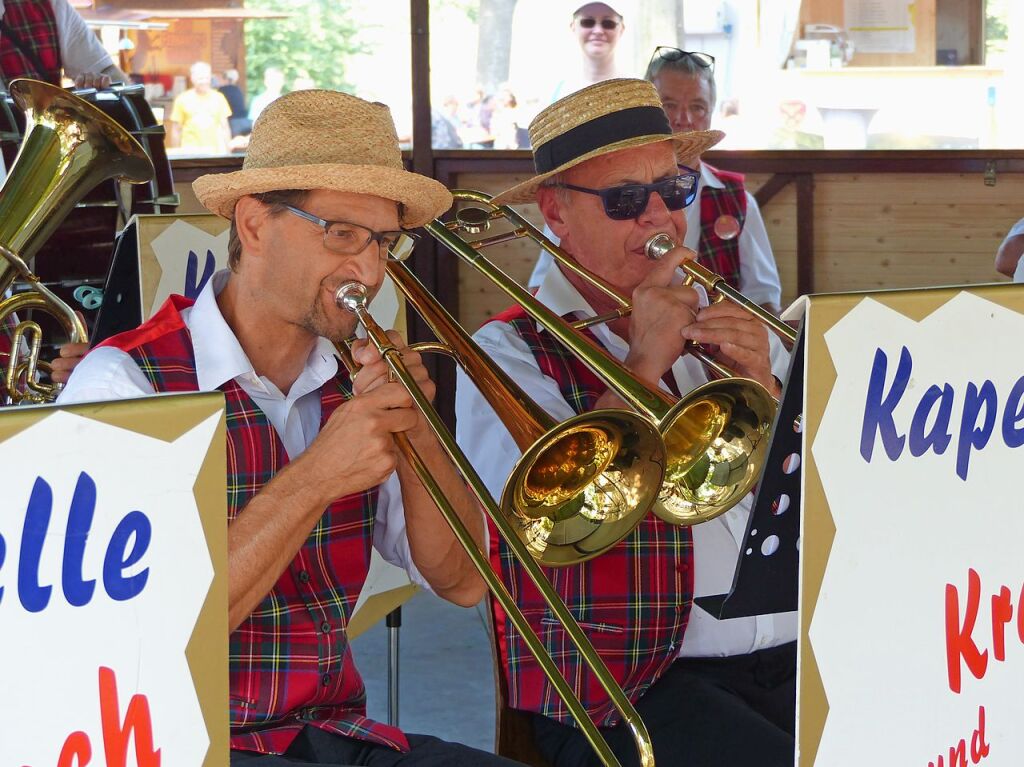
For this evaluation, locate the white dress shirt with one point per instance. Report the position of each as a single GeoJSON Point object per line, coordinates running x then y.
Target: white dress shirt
{"type": "Point", "coordinates": [759, 276]}
{"type": "Point", "coordinates": [107, 373]}
{"type": "Point", "coordinates": [716, 544]}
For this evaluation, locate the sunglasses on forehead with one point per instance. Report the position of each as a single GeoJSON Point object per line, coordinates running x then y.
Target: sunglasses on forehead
{"type": "Point", "coordinates": [628, 201]}
{"type": "Point", "coordinates": [589, 22]}
{"type": "Point", "coordinates": [668, 53]}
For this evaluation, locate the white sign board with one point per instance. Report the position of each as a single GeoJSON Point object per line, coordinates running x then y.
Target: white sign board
{"type": "Point", "coordinates": [107, 576]}
{"type": "Point", "coordinates": [912, 578]}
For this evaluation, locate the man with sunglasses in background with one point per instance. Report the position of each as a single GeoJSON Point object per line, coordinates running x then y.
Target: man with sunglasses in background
{"type": "Point", "coordinates": [731, 238]}
{"type": "Point", "coordinates": [314, 478]}
{"type": "Point", "coordinates": [608, 179]}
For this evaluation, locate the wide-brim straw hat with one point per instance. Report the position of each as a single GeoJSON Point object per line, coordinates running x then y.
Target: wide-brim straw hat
{"type": "Point", "coordinates": [320, 139]}
{"type": "Point", "coordinates": [600, 119]}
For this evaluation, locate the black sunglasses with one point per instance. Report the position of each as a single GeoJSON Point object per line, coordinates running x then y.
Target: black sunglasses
{"type": "Point", "coordinates": [628, 201]}
{"type": "Point", "coordinates": [668, 53]}
{"type": "Point", "coordinates": [588, 22]}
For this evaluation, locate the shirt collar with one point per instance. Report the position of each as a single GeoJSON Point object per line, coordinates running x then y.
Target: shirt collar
{"type": "Point", "coordinates": [561, 297]}
{"type": "Point", "coordinates": [219, 356]}
{"type": "Point", "coordinates": [707, 178]}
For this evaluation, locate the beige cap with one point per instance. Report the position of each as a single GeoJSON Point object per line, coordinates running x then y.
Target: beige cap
{"type": "Point", "coordinates": [320, 139]}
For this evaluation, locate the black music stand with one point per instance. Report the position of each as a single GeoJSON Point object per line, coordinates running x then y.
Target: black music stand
{"type": "Point", "coordinates": [121, 309]}
{"type": "Point", "coordinates": [767, 572]}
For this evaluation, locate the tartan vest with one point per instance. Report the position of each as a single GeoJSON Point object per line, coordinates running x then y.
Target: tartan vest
{"type": "Point", "coordinates": [285, 670]}
{"type": "Point", "coordinates": [33, 24]}
{"type": "Point", "coordinates": [718, 255]}
{"type": "Point", "coordinates": [632, 602]}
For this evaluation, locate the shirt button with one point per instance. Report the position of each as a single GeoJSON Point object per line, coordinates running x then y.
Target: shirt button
{"type": "Point", "coordinates": [303, 576]}
{"type": "Point", "coordinates": [326, 679]}
{"type": "Point", "coordinates": [324, 628]}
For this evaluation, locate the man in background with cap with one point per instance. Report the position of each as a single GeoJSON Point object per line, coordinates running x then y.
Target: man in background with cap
{"type": "Point", "coordinates": [608, 179]}
{"type": "Point", "coordinates": [597, 28]}
{"type": "Point", "coordinates": [314, 476]}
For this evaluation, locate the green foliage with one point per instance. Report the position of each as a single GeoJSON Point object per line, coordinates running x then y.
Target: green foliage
{"type": "Point", "coordinates": [312, 42]}
{"type": "Point", "coordinates": [469, 8]}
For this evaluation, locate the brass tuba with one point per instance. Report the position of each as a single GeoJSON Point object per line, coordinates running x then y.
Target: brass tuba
{"type": "Point", "coordinates": [70, 146]}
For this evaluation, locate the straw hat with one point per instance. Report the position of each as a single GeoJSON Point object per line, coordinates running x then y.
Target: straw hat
{"type": "Point", "coordinates": [597, 120]}
{"type": "Point", "coordinates": [319, 139]}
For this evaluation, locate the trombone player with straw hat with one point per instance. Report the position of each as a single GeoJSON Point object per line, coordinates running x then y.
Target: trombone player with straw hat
{"type": "Point", "coordinates": [314, 475]}
{"type": "Point", "coordinates": [610, 175]}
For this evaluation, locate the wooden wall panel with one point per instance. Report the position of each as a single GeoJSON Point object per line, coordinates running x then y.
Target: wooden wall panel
{"type": "Point", "coordinates": [871, 231]}
{"type": "Point", "coordinates": [902, 230]}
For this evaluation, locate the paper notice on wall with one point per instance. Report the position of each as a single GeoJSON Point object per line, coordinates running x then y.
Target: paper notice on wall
{"type": "Point", "coordinates": [881, 26]}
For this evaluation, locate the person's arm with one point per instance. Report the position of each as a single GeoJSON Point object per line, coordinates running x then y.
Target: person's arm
{"type": "Point", "coordinates": [436, 552]}
{"type": "Point", "coordinates": [81, 52]}
{"type": "Point", "coordinates": [1009, 254]}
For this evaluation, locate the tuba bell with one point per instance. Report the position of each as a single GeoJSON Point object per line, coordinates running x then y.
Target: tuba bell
{"type": "Point", "coordinates": [70, 146]}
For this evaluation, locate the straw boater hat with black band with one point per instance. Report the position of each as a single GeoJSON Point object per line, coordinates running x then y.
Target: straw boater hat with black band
{"type": "Point", "coordinates": [600, 119]}
{"type": "Point", "coordinates": [318, 139]}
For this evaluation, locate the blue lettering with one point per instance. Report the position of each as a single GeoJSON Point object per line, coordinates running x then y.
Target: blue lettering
{"type": "Point", "coordinates": [77, 590]}
{"type": "Point", "coordinates": [116, 561]}
{"type": "Point", "coordinates": [1013, 435]}
{"type": "Point", "coordinates": [34, 597]}
{"type": "Point", "coordinates": [971, 437]}
{"type": "Point", "coordinates": [938, 438]}
{"type": "Point", "coordinates": [3, 553]}
{"type": "Point", "coordinates": [194, 287]}
{"type": "Point", "coordinates": [879, 407]}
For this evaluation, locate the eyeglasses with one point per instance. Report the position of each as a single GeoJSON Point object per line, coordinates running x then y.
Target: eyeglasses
{"type": "Point", "coordinates": [588, 22]}
{"type": "Point", "coordinates": [668, 53]}
{"type": "Point", "coordinates": [630, 200]}
{"type": "Point", "coordinates": [348, 239]}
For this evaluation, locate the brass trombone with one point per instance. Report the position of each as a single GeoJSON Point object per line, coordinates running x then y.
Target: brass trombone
{"type": "Point", "coordinates": [581, 485]}
{"type": "Point", "coordinates": [353, 297]}
{"type": "Point", "coordinates": [70, 146]}
{"type": "Point", "coordinates": [716, 436]}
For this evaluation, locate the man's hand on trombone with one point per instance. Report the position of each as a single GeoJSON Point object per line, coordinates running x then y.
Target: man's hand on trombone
{"type": "Point", "coordinates": [437, 553]}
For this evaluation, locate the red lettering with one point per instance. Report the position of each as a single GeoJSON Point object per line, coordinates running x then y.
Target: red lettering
{"type": "Point", "coordinates": [1002, 613]}
{"type": "Point", "coordinates": [979, 748]}
{"type": "Point", "coordinates": [1020, 615]}
{"type": "Point", "coordinates": [959, 643]}
{"type": "Point", "coordinates": [958, 754]}
{"type": "Point", "coordinates": [116, 735]}
{"type": "Point", "coordinates": [77, 751]}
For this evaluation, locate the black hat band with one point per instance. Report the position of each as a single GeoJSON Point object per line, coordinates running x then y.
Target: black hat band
{"type": "Point", "coordinates": [600, 132]}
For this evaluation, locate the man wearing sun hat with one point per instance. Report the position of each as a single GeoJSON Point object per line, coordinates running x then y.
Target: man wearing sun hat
{"type": "Point", "coordinates": [607, 180]}
{"type": "Point", "coordinates": [314, 478]}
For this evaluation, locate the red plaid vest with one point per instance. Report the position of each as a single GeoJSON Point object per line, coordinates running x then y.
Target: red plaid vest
{"type": "Point", "coordinates": [290, 661]}
{"type": "Point", "coordinates": [32, 22]}
{"type": "Point", "coordinates": [633, 601]}
{"type": "Point", "coordinates": [718, 255]}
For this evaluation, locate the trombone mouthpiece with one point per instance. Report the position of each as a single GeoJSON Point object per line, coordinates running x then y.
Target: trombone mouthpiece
{"type": "Point", "coordinates": [351, 296]}
{"type": "Point", "coordinates": [658, 246]}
